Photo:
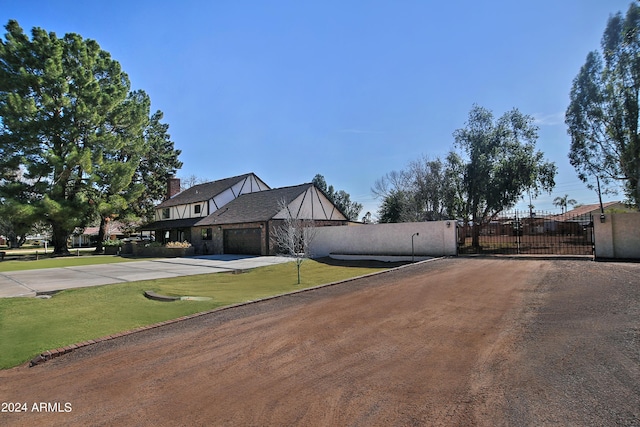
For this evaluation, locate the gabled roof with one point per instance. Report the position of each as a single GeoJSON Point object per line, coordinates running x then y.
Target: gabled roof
{"type": "Point", "coordinates": [584, 210]}
{"type": "Point", "coordinates": [202, 192]}
{"type": "Point", "coordinates": [114, 227]}
{"type": "Point", "coordinates": [254, 207]}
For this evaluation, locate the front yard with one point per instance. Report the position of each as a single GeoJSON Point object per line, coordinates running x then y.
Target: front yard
{"type": "Point", "coordinates": [29, 326]}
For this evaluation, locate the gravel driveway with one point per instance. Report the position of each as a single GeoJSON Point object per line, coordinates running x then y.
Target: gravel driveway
{"type": "Point", "coordinates": [460, 341]}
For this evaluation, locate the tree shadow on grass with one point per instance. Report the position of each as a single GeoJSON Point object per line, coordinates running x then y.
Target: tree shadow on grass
{"type": "Point", "coordinates": [360, 263]}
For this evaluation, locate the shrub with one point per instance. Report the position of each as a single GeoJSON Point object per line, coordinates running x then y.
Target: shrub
{"type": "Point", "coordinates": [182, 245]}
{"type": "Point", "coordinates": [115, 242]}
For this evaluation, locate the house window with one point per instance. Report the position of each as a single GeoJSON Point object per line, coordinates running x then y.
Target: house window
{"type": "Point", "coordinates": [165, 213]}
{"type": "Point", "coordinates": [207, 233]}
{"type": "Point", "coordinates": [197, 208]}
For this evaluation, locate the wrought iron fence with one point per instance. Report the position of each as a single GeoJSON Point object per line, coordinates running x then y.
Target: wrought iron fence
{"type": "Point", "coordinates": [523, 232]}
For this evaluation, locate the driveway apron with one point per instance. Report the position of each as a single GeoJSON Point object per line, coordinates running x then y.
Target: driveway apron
{"type": "Point", "coordinates": [34, 282]}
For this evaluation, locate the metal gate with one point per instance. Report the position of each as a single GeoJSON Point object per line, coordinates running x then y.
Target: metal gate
{"type": "Point", "coordinates": [523, 232]}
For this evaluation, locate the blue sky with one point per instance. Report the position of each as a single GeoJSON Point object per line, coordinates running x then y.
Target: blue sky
{"type": "Point", "coordinates": [348, 89]}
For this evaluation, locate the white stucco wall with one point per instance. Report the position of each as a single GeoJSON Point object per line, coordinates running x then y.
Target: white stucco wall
{"type": "Point", "coordinates": [618, 236]}
{"type": "Point", "coordinates": [436, 238]}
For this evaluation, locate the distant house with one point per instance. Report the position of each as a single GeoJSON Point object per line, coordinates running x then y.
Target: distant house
{"type": "Point", "coordinates": [235, 215]}
{"type": "Point", "coordinates": [574, 220]}
{"type": "Point", "coordinates": [84, 237]}
{"type": "Point", "coordinates": [585, 211]}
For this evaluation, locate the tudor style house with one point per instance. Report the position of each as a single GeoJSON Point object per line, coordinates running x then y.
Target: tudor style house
{"type": "Point", "coordinates": [235, 215]}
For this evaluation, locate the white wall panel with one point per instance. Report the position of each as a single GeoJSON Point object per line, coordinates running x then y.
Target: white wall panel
{"type": "Point", "coordinates": [224, 198]}
{"type": "Point", "coordinates": [325, 207]}
{"type": "Point", "coordinates": [618, 236]}
{"type": "Point", "coordinates": [258, 184]}
{"type": "Point", "coordinates": [241, 187]}
{"type": "Point", "coordinates": [435, 238]}
{"type": "Point", "coordinates": [191, 210]}
{"type": "Point", "coordinates": [306, 209]}
{"type": "Point", "coordinates": [179, 212]}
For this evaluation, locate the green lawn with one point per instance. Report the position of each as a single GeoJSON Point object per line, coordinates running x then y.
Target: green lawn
{"type": "Point", "coordinates": [29, 326]}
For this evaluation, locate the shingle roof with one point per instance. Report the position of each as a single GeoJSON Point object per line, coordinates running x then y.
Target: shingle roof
{"type": "Point", "coordinates": [202, 192]}
{"type": "Point", "coordinates": [254, 207]}
{"type": "Point", "coordinates": [114, 228]}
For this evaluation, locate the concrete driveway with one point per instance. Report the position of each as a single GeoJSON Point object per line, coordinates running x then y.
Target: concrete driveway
{"type": "Point", "coordinates": [32, 282]}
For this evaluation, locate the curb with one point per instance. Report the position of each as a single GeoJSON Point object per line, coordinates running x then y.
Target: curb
{"type": "Point", "coordinates": [541, 257]}
{"type": "Point", "coordinates": [52, 354]}
{"type": "Point", "coordinates": [157, 297]}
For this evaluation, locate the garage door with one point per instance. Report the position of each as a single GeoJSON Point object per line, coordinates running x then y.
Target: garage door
{"type": "Point", "coordinates": [245, 241]}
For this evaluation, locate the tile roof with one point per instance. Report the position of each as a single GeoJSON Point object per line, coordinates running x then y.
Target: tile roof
{"type": "Point", "coordinates": [583, 211]}
{"type": "Point", "coordinates": [202, 192]}
{"type": "Point", "coordinates": [254, 207]}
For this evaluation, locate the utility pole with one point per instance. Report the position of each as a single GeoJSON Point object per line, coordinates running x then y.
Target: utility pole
{"type": "Point", "coordinates": [600, 195]}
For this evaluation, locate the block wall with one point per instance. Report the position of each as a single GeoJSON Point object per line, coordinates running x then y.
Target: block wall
{"type": "Point", "coordinates": [434, 238]}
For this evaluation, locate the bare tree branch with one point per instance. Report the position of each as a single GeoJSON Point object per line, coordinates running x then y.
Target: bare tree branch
{"type": "Point", "coordinates": [293, 236]}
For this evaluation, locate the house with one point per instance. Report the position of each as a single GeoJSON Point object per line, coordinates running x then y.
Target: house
{"type": "Point", "coordinates": [593, 210]}
{"type": "Point", "coordinates": [181, 210]}
{"type": "Point", "coordinates": [575, 220]}
{"type": "Point", "coordinates": [236, 215]}
{"type": "Point", "coordinates": [584, 214]}
{"type": "Point", "coordinates": [84, 237]}
{"type": "Point", "coordinates": [244, 225]}
{"type": "Point", "coordinates": [88, 236]}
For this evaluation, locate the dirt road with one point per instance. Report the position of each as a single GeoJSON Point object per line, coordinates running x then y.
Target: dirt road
{"type": "Point", "coordinates": [448, 342]}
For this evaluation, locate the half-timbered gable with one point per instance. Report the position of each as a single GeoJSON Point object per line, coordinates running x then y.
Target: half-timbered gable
{"type": "Point", "coordinates": [311, 204]}
{"type": "Point", "coordinates": [175, 216]}
{"type": "Point", "coordinates": [203, 199]}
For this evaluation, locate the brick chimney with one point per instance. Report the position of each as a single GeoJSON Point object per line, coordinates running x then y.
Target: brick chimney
{"type": "Point", "coordinates": [173, 187]}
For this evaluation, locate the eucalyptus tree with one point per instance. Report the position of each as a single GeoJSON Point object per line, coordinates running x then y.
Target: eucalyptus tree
{"type": "Point", "coordinates": [604, 111]}
{"type": "Point", "coordinates": [499, 163]}
{"type": "Point", "coordinates": [70, 120]}
{"type": "Point", "coordinates": [493, 163]}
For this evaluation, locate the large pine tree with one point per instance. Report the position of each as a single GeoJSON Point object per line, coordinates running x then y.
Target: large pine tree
{"type": "Point", "coordinates": [72, 133]}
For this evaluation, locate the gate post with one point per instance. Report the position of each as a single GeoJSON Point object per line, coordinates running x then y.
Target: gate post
{"type": "Point", "coordinates": [518, 225]}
